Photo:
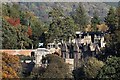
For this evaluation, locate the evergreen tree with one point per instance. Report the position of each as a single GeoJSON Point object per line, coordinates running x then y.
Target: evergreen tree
{"type": "Point", "coordinates": [113, 38]}
{"type": "Point", "coordinates": [38, 30]}
{"type": "Point", "coordinates": [61, 27]}
{"type": "Point", "coordinates": [69, 29]}
{"type": "Point", "coordinates": [80, 17]}
{"type": "Point", "coordinates": [54, 27]}
{"type": "Point", "coordinates": [95, 21]}
{"type": "Point", "coordinates": [111, 19]}
{"type": "Point", "coordinates": [117, 32]}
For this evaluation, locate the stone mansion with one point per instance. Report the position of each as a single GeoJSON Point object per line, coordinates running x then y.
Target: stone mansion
{"type": "Point", "coordinates": [84, 45]}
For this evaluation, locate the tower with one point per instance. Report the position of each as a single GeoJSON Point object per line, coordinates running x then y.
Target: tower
{"type": "Point", "coordinates": [65, 52]}
{"type": "Point", "coordinates": [77, 55]}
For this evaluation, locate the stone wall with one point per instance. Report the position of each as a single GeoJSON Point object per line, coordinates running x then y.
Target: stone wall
{"type": "Point", "coordinates": [17, 51]}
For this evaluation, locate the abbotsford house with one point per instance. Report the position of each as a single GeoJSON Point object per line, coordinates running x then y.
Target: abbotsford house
{"type": "Point", "coordinates": [85, 44]}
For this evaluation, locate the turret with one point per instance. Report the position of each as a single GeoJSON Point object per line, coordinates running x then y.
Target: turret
{"type": "Point", "coordinates": [65, 52]}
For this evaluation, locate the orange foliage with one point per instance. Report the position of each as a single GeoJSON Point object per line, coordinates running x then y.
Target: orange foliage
{"type": "Point", "coordinates": [6, 17]}
{"type": "Point", "coordinates": [29, 31]}
{"type": "Point", "coordinates": [13, 22]}
{"type": "Point", "coordinates": [10, 66]}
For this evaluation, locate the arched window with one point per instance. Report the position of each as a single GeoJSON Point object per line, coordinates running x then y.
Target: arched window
{"type": "Point", "coordinates": [32, 54]}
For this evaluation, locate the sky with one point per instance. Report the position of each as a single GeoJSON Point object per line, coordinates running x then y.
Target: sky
{"type": "Point", "coordinates": [60, 0]}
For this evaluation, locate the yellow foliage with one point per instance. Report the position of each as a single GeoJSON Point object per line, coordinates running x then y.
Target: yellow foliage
{"type": "Point", "coordinates": [30, 14]}
{"type": "Point", "coordinates": [6, 17]}
{"type": "Point", "coordinates": [10, 66]}
{"type": "Point", "coordinates": [89, 28]}
{"type": "Point", "coordinates": [102, 27]}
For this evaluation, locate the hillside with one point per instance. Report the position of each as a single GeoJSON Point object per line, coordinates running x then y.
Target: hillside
{"type": "Point", "coordinates": [41, 9]}
{"type": "Point", "coordinates": [115, 4]}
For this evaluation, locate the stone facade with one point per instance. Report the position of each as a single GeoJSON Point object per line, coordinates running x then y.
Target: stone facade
{"type": "Point", "coordinates": [84, 45]}
{"type": "Point", "coordinates": [39, 54]}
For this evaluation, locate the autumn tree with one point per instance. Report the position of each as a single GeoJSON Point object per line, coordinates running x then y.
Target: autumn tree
{"type": "Point", "coordinates": [102, 27]}
{"type": "Point", "coordinates": [88, 28]}
{"type": "Point", "coordinates": [11, 67]}
{"type": "Point", "coordinates": [29, 31]}
{"type": "Point", "coordinates": [14, 37]}
{"type": "Point", "coordinates": [21, 29]}
{"type": "Point", "coordinates": [14, 34]}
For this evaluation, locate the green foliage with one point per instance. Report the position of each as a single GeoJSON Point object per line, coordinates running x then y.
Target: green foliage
{"type": "Point", "coordinates": [111, 69]}
{"type": "Point", "coordinates": [113, 39]}
{"type": "Point", "coordinates": [90, 69]}
{"type": "Point", "coordinates": [80, 17]}
{"type": "Point", "coordinates": [69, 29]}
{"type": "Point", "coordinates": [22, 37]}
{"type": "Point", "coordinates": [53, 72]}
{"type": "Point", "coordinates": [23, 18]}
{"type": "Point", "coordinates": [112, 19]}
{"type": "Point", "coordinates": [9, 36]}
{"type": "Point", "coordinates": [95, 21]}
{"type": "Point", "coordinates": [10, 10]}
{"type": "Point", "coordinates": [54, 28]}
{"type": "Point", "coordinates": [38, 28]}
{"type": "Point", "coordinates": [56, 68]}
{"type": "Point", "coordinates": [14, 37]}
{"type": "Point", "coordinates": [56, 64]}
{"type": "Point", "coordinates": [61, 27]}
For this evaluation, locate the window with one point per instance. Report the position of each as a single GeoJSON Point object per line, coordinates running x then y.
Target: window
{"type": "Point", "coordinates": [32, 54]}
